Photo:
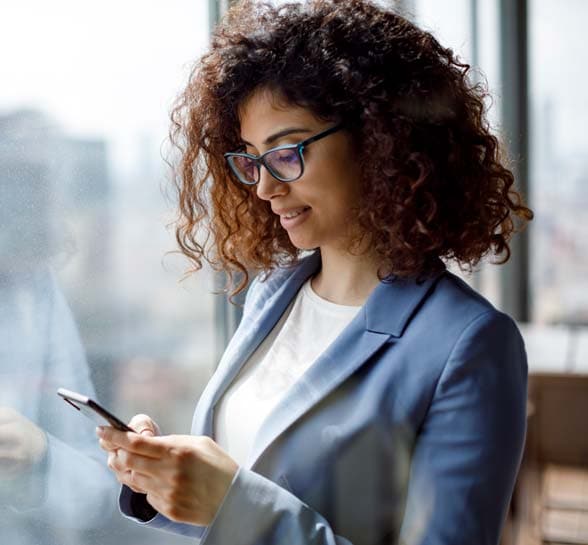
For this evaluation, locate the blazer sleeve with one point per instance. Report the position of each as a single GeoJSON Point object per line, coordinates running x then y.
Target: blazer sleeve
{"type": "Point", "coordinates": [255, 511]}
{"type": "Point", "coordinates": [468, 452]}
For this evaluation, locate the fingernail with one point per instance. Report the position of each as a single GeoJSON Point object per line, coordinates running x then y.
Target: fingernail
{"type": "Point", "coordinates": [99, 431]}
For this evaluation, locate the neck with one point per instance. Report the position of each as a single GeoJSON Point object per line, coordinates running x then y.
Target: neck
{"type": "Point", "coordinates": [345, 279]}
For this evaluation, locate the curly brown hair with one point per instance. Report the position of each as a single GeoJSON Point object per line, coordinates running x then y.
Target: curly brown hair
{"type": "Point", "coordinates": [434, 185]}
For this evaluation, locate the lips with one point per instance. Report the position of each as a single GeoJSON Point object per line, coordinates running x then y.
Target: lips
{"type": "Point", "coordinates": [296, 219]}
{"type": "Point", "coordinates": [288, 211]}
{"type": "Point", "coordinates": [294, 213]}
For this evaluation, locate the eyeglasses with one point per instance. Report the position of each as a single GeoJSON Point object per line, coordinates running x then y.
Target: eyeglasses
{"type": "Point", "coordinates": [285, 163]}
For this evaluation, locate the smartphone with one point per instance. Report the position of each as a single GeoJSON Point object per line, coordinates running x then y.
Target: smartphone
{"type": "Point", "coordinates": [92, 409]}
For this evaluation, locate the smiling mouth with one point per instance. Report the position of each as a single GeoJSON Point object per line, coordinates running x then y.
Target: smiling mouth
{"type": "Point", "coordinates": [291, 215]}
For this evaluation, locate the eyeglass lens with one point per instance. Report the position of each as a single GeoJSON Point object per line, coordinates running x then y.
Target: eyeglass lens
{"type": "Point", "coordinates": [283, 163]}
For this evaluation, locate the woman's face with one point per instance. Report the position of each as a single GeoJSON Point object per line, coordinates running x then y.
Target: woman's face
{"type": "Point", "coordinates": [329, 186]}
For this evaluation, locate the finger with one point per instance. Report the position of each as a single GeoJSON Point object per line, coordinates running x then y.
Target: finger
{"type": "Point", "coordinates": [143, 424]}
{"type": "Point", "coordinates": [111, 461]}
{"type": "Point", "coordinates": [137, 463]}
{"type": "Point", "coordinates": [126, 478]}
{"type": "Point", "coordinates": [106, 445]}
{"type": "Point", "coordinates": [151, 447]}
{"type": "Point", "coordinates": [123, 475]}
{"type": "Point", "coordinates": [118, 471]}
{"type": "Point", "coordinates": [135, 481]}
{"type": "Point", "coordinates": [116, 463]}
{"type": "Point", "coordinates": [138, 482]}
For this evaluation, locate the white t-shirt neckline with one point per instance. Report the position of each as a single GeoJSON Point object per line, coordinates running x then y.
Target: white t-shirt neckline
{"type": "Point", "coordinates": [324, 304]}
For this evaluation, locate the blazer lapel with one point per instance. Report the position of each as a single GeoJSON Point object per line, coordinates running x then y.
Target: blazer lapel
{"type": "Point", "coordinates": [346, 354]}
{"type": "Point", "coordinates": [383, 317]}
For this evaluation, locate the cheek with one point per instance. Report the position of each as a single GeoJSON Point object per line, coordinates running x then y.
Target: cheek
{"type": "Point", "coordinates": [345, 174]}
{"type": "Point", "coordinates": [344, 190]}
{"type": "Point", "coordinates": [332, 187]}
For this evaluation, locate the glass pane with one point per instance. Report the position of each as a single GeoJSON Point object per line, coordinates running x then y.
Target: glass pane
{"type": "Point", "coordinates": [90, 300]}
{"type": "Point", "coordinates": [449, 21]}
{"type": "Point", "coordinates": [559, 164]}
{"type": "Point", "coordinates": [472, 35]}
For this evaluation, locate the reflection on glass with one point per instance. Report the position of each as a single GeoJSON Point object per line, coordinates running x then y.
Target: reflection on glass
{"type": "Point", "coordinates": [92, 174]}
{"type": "Point", "coordinates": [53, 477]}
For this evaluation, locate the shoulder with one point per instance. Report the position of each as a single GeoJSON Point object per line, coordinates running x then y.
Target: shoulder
{"type": "Point", "coordinates": [456, 330]}
{"type": "Point", "coordinates": [453, 308]}
{"type": "Point", "coordinates": [457, 296]}
{"type": "Point", "coordinates": [482, 342]}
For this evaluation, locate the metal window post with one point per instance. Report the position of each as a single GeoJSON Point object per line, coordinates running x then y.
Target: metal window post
{"type": "Point", "coordinates": [515, 124]}
{"type": "Point", "coordinates": [226, 315]}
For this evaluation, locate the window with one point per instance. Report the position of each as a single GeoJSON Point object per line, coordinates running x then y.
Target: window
{"type": "Point", "coordinates": [90, 299]}
{"type": "Point", "coordinates": [559, 164]}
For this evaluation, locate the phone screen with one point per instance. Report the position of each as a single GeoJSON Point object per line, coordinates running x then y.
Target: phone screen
{"type": "Point", "coordinates": [92, 410]}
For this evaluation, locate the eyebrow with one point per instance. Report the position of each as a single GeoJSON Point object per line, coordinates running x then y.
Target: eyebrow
{"type": "Point", "coordinates": [284, 132]}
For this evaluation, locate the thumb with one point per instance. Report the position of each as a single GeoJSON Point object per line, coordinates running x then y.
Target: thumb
{"type": "Point", "coordinates": [144, 425]}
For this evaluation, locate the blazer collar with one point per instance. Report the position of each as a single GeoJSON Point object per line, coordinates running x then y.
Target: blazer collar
{"type": "Point", "coordinates": [392, 304]}
{"type": "Point", "coordinates": [388, 308]}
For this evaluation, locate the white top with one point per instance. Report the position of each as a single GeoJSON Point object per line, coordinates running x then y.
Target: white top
{"type": "Point", "coordinates": [307, 327]}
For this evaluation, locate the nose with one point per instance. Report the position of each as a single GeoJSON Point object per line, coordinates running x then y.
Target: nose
{"type": "Point", "coordinates": [268, 187]}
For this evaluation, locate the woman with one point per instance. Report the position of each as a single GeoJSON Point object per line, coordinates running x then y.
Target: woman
{"type": "Point", "coordinates": [369, 395]}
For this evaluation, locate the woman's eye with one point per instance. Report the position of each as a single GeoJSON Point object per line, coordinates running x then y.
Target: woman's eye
{"type": "Point", "coordinates": [286, 156]}
{"type": "Point", "coordinates": [289, 158]}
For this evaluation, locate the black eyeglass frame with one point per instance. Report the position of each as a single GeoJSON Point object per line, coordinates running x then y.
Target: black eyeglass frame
{"type": "Point", "coordinates": [260, 159]}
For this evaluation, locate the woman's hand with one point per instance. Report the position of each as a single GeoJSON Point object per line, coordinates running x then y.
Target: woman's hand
{"type": "Point", "coordinates": [185, 477]}
{"type": "Point", "coordinates": [143, 425]}
{"type": "Point", "coordinates": [22, 443]}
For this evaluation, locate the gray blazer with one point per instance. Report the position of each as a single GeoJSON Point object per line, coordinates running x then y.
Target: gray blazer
{"type": "Point", "coordinates": [409, 428]}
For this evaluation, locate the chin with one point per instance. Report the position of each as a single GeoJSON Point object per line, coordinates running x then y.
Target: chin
{"type": "Point", "coordinates": [304, 245]}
